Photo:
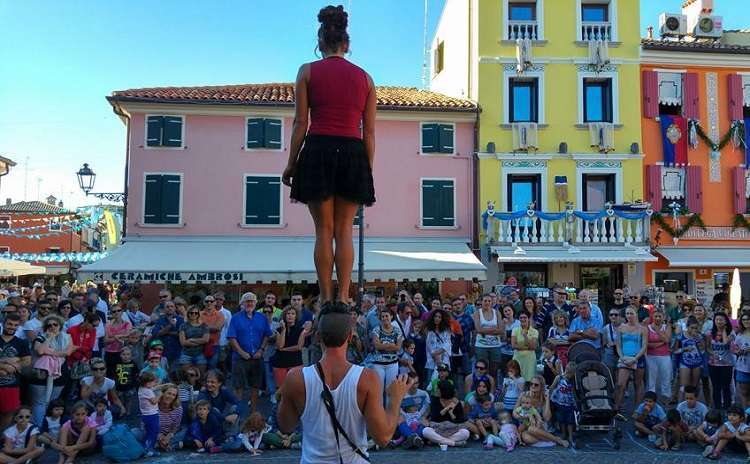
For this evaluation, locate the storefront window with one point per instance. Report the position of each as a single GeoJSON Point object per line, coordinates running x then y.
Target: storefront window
{"type": "Point", "coordinates": [601, 281]}
{"type": "Point", "coordinates": [524, 275]}
{"type": "Point", "coordinates": [672, 282]}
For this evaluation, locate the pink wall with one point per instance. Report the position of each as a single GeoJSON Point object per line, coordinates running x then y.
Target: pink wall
{"type": "Point", "coordinates": [213, 165]}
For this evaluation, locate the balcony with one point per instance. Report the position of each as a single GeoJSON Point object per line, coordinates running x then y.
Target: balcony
{"type": "Point", "coordinates": [595, 31]}
{"type": "Point", "coordinates": [523, 30]}
{"type": "Point", "coordinates": [609, 226]}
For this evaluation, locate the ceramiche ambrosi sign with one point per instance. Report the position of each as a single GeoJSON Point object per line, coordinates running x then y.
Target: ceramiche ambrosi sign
{"type": "Point", "coordinates": [192, 277]}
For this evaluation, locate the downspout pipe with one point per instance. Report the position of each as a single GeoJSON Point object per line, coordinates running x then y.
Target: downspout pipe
{"type": "Point", "coordinates": [118, 111]}
{"type": "Point", "coordinates": [475, 187]}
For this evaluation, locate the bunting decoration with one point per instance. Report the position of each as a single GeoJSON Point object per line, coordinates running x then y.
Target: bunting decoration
{"type": "Point", "coordinates": [83, 258]}
{"type": "Point", "coordinates": [737, 134]}
{"type": "Point", "coordinates": [694, 220]}
{"type": "Point", "coordinates": [746, 135]}
{"type": "Point", "coordinates": [674, 134]}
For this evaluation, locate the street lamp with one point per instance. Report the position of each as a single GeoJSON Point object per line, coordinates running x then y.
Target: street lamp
{"type": "Point", "coordinates": [5, 165]}
{"type": "Point", "coordinates": [86, 179]}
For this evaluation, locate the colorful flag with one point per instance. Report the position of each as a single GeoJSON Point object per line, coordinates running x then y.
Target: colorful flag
{"type": "Point", "coordinates": [674, 135]}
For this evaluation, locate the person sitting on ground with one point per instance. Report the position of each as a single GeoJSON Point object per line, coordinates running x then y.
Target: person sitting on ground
{"type": "Point", "coordinates": [443, 374]}
{"type": "Point", "coordinates": [49, 432]}
{"type": "Point", "coordinates": [508, 435]}
{"type": "Point", "coordinates": [102, 417]}
{"type": "Point", "coordinates": [707, 435]}
{"type": "Point", "coordinates": [252, 433]}
{"type": "Point", "coordinates": [692, 411]}
{"type": "Point", "coordinates": [224, 405]}
{"type": "Point", "coordinates": [648, 415]}
{"type": "Point", "coordinates": [673, 432]}
{"type": "Point", "coordinates": [77, 435]}
{"type": "Point", "coordinates": [20, 439]}
{"type": "Point", "coordinates": [205, 433]}
{"type": "Point", "coordinates": [484, 417]}
{"type": "Point", "coordinates": [446, 418]}
{"type": "Point", "coordinates": [734, 434]}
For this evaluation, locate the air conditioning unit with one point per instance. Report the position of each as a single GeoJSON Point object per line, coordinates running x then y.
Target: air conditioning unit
{"type": "Point", "coordinates": [708, 27]}
{"type": "Point", "coordinates": [672, 24]}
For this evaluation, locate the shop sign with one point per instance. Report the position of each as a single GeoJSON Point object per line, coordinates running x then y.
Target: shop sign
{"type": "Point", "coordinates": [190, 277]}
{"type": "Point", "coordinates": [716, 233]}
{"type": "Point", "coordinates": [704, 290]}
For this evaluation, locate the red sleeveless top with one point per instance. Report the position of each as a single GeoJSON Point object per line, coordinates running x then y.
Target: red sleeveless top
{"type": "Point", "coordinates": [337, 93]}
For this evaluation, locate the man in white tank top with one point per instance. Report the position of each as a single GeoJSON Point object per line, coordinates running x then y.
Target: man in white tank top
{"type": "Point", "coordinates": [357, 395]}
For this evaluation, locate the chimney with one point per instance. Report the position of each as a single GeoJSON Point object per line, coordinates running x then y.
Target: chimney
{"type": "Point", "coordinates": [60, 203]}
{"type": "Point", "coordinates": [51, 200]}
{"type": "Point", "coordinates": [8, 202]}
{"type": "Point", "coordinates": [650, 33]}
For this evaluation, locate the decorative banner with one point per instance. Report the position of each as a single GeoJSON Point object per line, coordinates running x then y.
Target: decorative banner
{"type": "Point", "coordinates": [56, 257]}
{"type": "Point", "coordinates": [714, 173]}
{"type": "Point", "coordinates": [111, 229]}
{"type": "Point", "coordinates": [747, 145]}
{"type": "Point", "coordinates": [674, 134]}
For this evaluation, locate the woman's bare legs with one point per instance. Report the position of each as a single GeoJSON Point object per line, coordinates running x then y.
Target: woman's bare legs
{"type": "Point", "coordinates": [323, 216]}
{"type": "Point", "coordinates": [344, 212]}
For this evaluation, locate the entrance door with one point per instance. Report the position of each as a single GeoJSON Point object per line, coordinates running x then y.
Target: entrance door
{"type": "Point", "coordinates": [601, 280]}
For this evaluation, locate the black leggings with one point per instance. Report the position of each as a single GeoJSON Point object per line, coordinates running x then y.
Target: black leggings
{"type": "Point", "coordinates": [721, 379]}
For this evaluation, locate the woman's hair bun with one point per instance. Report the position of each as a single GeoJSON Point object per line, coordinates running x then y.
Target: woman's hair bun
{"type": "Point", "coordinates": [333, 17]}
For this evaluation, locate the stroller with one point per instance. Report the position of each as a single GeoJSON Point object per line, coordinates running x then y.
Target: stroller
{"type": "Point", "coordinates": [594, 391]}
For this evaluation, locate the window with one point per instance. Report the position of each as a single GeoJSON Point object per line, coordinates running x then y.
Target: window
{"type": "Point", "coordinates": [263, 133]}
{"type": "Point", "coordinates": [672, 187]}
{"type": "Point", "coordinates": [597, 100]}
{"type": "Point", "coordinates": [522, 190]}
{"type": "Point", "coordinates": [438, 203]}
{"type": "Point", "coordinates": [5, 221]}
{"type": "Point", "coordinates": [55, 225]}
{"type": "Point", "coordinates": [262, 200]}
{"type": "Point", "coordinates": [524, 100]}
{"type": "Point", "coordinates": [164, 131]}
{"type": "Point", "coordinates": [162, 199]}
{"type": "Point", "coordinates": [4, 250]}
{"type": "Point", "coordinates": [672, 282]}
{"type": "Point", "coordinates": [595, 12]}
{"type": "Point", "coordinates": [440, 57]}
{"type": "Point", "coordinates": [598, 189]}
{"type": "Point", "coordinates": [53, 250]}
{"type": "Point", "coordinates": [437, 138]}
{"type": "Point", "coordinates": [522, 11]}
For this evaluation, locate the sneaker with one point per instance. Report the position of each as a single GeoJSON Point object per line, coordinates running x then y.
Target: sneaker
{"type": "Point", "coordinates": [652, 438]}
{"type": "Point", "coordinates": [418, 442]}
{"type": "Point", "coordinates": [488, 445]}
{"type": "Point", "coordinates": [475, 437]}
{"type": "Point", "coordinates": [215, 449]}
{"type": "Point", "coordinates": [714, 456]}
{"type": "Point", "coordinates": [708, 450]}
{"type": "Point", "coordinates": [201, 450]}
{"type": "Point", "coordinates": [657, 440]}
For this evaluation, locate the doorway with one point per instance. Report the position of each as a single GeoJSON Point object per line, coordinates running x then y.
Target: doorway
{"type": "Point", "coordinates": [601, 280]}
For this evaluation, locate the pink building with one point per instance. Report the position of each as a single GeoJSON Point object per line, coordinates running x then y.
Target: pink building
{"type": "Point", "coordinates": [205, 203]}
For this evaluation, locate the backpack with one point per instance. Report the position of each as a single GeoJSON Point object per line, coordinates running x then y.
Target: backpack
{"type": "Point", "coordinates": [121, 445]}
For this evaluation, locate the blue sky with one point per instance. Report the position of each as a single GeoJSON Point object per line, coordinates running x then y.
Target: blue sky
{"type": "Point", "coordinates": [61, 58]}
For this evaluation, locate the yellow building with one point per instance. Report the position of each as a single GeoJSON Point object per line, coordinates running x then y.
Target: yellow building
{"type": "Point", "coordinates": [558, 83]}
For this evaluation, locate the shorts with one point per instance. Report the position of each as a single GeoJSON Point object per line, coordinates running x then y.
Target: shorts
{"type": "Point", "coordinates": [640, 364]}
{"type": "Point", "coordinates": [491, 355]}
{"type": "Point", "coordinates": [565, 415]}
{"type": "Point", "coordinates": [331, 166]}
{"type": "Point", "coordinates": [10, 399]}
{"type": "Point", "coordinates": [195, 360]}
{"type": "Point", "coordinates": [247, 373]}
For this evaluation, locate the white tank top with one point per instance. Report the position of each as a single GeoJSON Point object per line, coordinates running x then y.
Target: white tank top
{"type": "Point", "coordinates": [488, 341]}
{"type": "Point", "coordinates": [318, 438]}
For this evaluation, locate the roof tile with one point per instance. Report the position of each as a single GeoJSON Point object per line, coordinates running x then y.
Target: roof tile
{"type": "Point", "coordinates": [697, 45]}
{"type": "Point", "coordinates": [282, 94]}
{"type": "Point", "coordinates": [32, 207]}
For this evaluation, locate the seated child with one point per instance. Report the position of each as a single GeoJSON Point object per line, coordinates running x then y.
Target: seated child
{"type": "Point", "coordinates": [707, 434]}
{"type": "Point", "coordinates": [49, 432]}
{"type": "Point", "coordinates": [410, 426]}
{"type": "Point", "coordinates": [77, 435]}
{"type": "Point", "coordinates": [252, 433]}
{"type": "Point", "coordinates": [205, 433]}
{"type": "Point", "coordinates": [484, 417]}
{"type": "Point", "coordinates": [20, 439]}
{"type": "Point", "coordinates": [648, 415]}
{"type": "Point", "coordinates": [443, 372]}
{"type": "Point", "coordinates": [674, 431]}
{"type": "Point", "coordinates": [526, 414]}
{"type": "Point", "coordinates": [692, 411]}
{"type": "Point", "coordinates": [274, 438]}
{"type": "Point", "coordinates": [507, 437]}
{"type": "Point", "coordinates": [734, 434]}
{"type": "Point", "coordinates": [102, 417]}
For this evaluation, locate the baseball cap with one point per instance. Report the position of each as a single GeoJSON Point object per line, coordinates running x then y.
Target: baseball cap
{"type": "Point", "coordinates": [155, 343]}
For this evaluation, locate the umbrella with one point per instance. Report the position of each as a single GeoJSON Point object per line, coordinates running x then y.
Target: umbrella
{"type": "Point", "coordinates": [13, 268]}
{"type": "Point", "coordinates": [735, 293]}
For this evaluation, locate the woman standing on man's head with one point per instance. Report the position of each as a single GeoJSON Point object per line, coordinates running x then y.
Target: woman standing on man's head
{"type": "Point", "coordinates": [330, 163]}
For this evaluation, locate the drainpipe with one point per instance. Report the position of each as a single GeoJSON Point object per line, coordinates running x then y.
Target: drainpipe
{"type": "Point", "coordinates": [475, 187]}
{"type": "Point", "coordinates": [118, 111]}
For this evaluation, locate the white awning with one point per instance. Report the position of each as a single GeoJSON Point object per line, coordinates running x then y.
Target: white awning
{"type": "Point", "coordinates": [272, 259]}
{"type": "Point", "coordinates": [14, 268]}
{"type": "Point", "coordinates": [706, 256]}
{"type": "Point", "coordinates": [572, 254]}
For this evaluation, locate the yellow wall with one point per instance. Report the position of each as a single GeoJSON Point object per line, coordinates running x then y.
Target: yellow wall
{"type": "Point", "coordinates": [561, 96]}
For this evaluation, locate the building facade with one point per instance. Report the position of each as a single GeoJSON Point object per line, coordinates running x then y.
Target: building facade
{"type": "Point", "coordinates": [205, 202]}
{"type": "Point", "coordinates": [696, 101]}
{"type": "Point", "coordinates": [559, 159]}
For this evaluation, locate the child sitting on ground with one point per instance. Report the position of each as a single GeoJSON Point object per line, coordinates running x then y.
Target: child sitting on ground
{"type": "Point", "coordinates": [205, 433]}
{"type": "Point", "coordinates": [673, 432]}
{"type": "Point", "coordinates": [49, 432]}
{"type": "Point", "coordinates": [274, 437]}
{"type": "Point", "coordinates": [507, 437]}
{"type": "Point", "coordinates": [734, 434]}
{"type": "Point", "coordinates": [648, 415]}
{"type": "Point", "coordinates": [77, 435]}
{"type": "Point", "coordinates": [692, 411]}
{"type": "Point", "coordinates": [20, 439]}
{"type": "Point", "coordinates": [410, 427]}
{"type": "Point", "coordinates": [252, 433]}
{"type": "Point", "coordinates": [706, 435]}
{"type": "Point", "coordinates": [484, 417]}
{"type": "Point", "coordinates": [526, 414]}
{"type": "Point", "coordinates": [102, 417]}
{"type": "Point", "coordinates": [564, 402]}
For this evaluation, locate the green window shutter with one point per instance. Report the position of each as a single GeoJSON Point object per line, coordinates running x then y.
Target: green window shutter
{"type": "Point", "coordinates": [262, 200]}
{"type": "Point", "coordinates": [430, 138]}
{"type": "Point", "coordinates": [446, 138]}
{"type": "Point", "coordinates": [437, 203]}
{"type": "Point", "coordinates": [172, 131]}
{"type": "Point", "coordinates": [255, 133]}
{"type": "Point", "coordinates": [447, 214]}
{"type": "Point", "coordinates": [152, 200]}
{"type": "Point", "coordinates": [170, 199]}
{"type": "Point", "coordinates": [272, 133]}
{"type": "Point", "coordinates": [154, 126]}
{"type": "Point", "coordinates": [429, 203]}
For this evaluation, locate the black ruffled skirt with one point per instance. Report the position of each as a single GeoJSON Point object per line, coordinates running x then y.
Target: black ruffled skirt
{"type": "Point", "coordinates": [333, 166]}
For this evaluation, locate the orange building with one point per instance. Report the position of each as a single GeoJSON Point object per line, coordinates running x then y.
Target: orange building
{"type": "Point", "coordinates": [696, 96]}
{"type": "Point", "coordinates": [21, 222]}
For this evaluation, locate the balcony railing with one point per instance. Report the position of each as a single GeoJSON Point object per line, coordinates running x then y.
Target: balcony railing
{"type": "Point", "coordinates": [592, 31]}
{"type": "Point", "coordinates": [609, 226]}
{"type": "Point", "coordinates": [523, 30]}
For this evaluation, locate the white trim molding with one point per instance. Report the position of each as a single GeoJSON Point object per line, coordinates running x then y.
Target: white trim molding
{"type": "Point", "coordinates": [539, 19]}
{"type": "Point", "coordinates": [180, 222]}
{"type": "Point", "coordinates": [613, 17]}
{"type": "Point", "coordinates": [182, 146]}
{"type": "Point", "coordinates": [614, 76]}
{"type": "Point", "coordinates": [527, 167]}
{"type": "Point", "coordinates": [539, 76]}
{"type": "Point", "coordinates": [598, 167]}
{"type": "Point", "coordinates": [421, 133]}
{"type": "Point", "coordinates": [282, 147]}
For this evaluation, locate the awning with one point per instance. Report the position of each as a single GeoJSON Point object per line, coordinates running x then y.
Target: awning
{"type": "Point", "coordinates": [273, 259]}
{"type": "Point", "coordinates": [13, 268]}
{"type": "Point", "coordinates": [706, 256]}
{"type": "Point", "coordinates": [572, 254]}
